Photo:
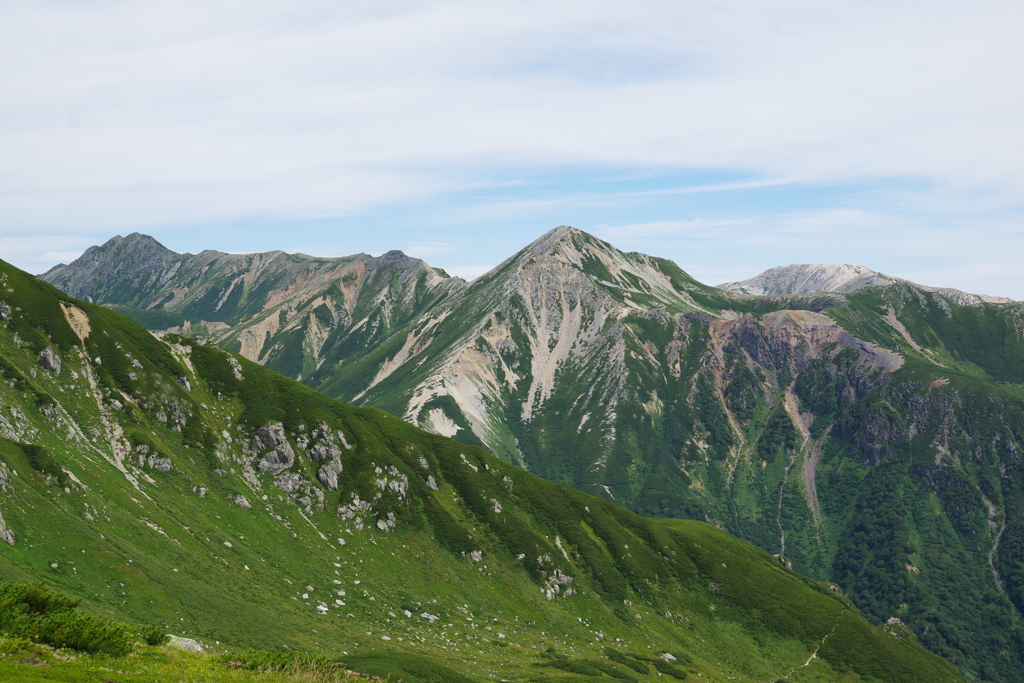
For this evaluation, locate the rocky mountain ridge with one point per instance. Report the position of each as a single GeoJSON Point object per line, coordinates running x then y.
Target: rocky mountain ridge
{"type": "Point", "coordinates": [806, 278]}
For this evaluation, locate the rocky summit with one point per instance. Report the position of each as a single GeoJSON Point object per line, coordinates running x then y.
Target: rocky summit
{"type": "Point", "coordinates": [175, 484]}
{"type": "Point", "coordinates": [869, 436]}
{"type": "Point", "coordinates": [806, 278]}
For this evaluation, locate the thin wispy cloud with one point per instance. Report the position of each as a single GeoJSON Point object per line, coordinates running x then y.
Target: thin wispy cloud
{"type": "Point", "coordinates": [426, 249]}
{"type": "Point", "coordinates": [163, 116]}
{"type": "Point", "coordinates": [697, 226]}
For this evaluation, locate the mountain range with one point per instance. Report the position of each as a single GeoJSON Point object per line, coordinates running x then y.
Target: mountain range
{"type": "Point", "coordinates": [868, 436]}
{"type": "Point", "coordinates": [173, 483]}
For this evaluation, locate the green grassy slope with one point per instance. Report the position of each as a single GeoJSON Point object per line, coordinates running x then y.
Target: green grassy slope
{"type": "Point", "coordinates": [128, 479]}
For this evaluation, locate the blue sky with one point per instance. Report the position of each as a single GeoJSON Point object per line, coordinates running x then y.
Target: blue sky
{"type": "Point", "coordinates": [729, 136]}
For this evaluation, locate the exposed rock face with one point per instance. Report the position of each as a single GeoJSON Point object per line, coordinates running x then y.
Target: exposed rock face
{"type": "Point", "coordinates": [328, 474]}
{"type": "Point", "coordinates": [5, 533]}
{"type": "Point", "coordinates": [152, 459]}
{"type": "Point", "coordinates": [324, 451]}
{"type": "Point", "coordinates": [804, 278]}
{"type": "Point", "coordinates": [275, 453]}
{"type": "Point", "coordinates": [158, 463]}
{"type": "Point", "coordinates": [288, 482]}
{"type": "Point", "coordinates": [49, 360]}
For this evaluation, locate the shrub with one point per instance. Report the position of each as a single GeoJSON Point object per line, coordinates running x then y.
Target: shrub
{"type": "Point", "coordinates": [34, 612]}
{"type": "Point", "coordinates": [154, 635]}
{"type": "Point", "coordinates": [41, 461]}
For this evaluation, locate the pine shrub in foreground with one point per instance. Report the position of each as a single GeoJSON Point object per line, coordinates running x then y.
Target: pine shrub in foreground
{"type": "Point", "coordinates": [40, 615]}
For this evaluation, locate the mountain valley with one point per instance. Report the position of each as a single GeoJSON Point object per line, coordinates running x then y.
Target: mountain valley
{"type": "Point", "coordinates": [172, 483]}
{"type": "Point", "coordinates": [868, 437]}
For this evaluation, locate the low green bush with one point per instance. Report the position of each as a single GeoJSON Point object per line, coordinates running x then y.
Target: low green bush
{"type": "Point", "coordinates": [34, 612]}
{"type": "Point", "coordinates": [41, 461]}
{"type": "Point", "coordinates": [621, 658]}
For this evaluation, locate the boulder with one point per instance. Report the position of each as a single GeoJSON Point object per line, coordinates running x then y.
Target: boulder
{"type": "Point", "coordinates": [186, 644]}
{"type": "Point", "coordinates": [49, 360]}
{"type": "Point", "coordinates": [328, 474]}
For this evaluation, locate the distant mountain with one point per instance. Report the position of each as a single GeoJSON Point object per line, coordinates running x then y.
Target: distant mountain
{"type": "Point", "coordinates": [805, 278]}
{"type": "Point", "coordinates": [170, 482]}
{"type": "Point", "coordinates": [278, 309]}
{"type": "Point", "coordinates": [870, 437]}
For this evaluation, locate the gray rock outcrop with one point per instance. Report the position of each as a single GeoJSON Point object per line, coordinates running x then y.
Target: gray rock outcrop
{"type": "Point", "coordinates": [288, 482]}
{"type": "Point", "coordinates": [328, 474]}
{"type": "Point", "coordinates": [324, 451]}
{"type": "Point", "coordinates": [49, 360]}
{"type": "Point", "coordinates": [160, 464]}
{"type": "Point", "coordinates": [242, 502]}
{"type": "Point", "coordinates": [5, 533]}
{"type": "Point", "coordinates": [276, 454]}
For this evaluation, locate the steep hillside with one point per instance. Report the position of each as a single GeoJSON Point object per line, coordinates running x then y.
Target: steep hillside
{"type": "Point", "coordinates": [172, 483]}
{"type": "Point", "coordinates": [870, 438]}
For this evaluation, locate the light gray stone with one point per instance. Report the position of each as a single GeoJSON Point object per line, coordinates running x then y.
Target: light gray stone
{"type": "Point", "coordinates": [49, 360]}
{"type": "Point", "coordinates": [159, 463]}
{"type": "Point", "coordinates": [5, 533]}
{"type": "Point", "coordinates": [186, 644]}
{"type": "Point", "coordinates": [276, 453]}
{"type": "Point", "coordinates": [324, 451]}
{"type": "Point", "coordinates": [288, 482]}
{"type": "Point", "coordinates": [328, 474]}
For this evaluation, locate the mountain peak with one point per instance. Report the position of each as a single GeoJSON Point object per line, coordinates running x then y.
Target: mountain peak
{"type": "Point", "coordinates": [809, 278]}
{"type": "Point", "coordinates": [805, 278]}
{"type": "Point", "coordinates": [568, 242]}
{"type": "Point", "coordinates": [133, 254]}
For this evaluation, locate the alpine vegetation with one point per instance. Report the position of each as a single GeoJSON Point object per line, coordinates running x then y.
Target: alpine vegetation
{"type": "Point", "coordinates": [164, 480]}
